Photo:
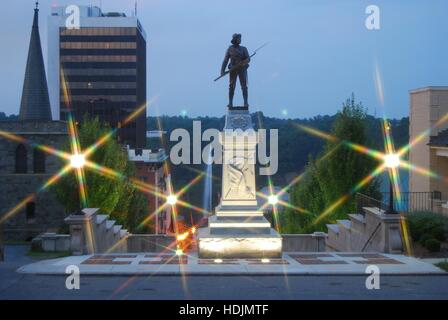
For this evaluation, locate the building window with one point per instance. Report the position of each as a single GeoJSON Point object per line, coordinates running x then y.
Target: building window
{"type": "Point", "coordinates": [39, 161]}
{"type": "Point", "coordinates": [30, 212]}
{"type": "Point", "coordinates": [21, 159]}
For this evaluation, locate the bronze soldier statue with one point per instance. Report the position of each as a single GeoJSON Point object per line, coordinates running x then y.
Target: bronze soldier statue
{"type": "Point", "coordinates": [239, 62]}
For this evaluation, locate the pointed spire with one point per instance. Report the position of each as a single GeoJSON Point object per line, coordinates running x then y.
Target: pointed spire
{"type": "Point", "coordinates": [35, 104]}
{"type": "Point", "coordinates": [36, 16]}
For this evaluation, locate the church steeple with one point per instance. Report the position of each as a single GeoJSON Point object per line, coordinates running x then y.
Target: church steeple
{"type": "Point", "coordinates": [35, 104]}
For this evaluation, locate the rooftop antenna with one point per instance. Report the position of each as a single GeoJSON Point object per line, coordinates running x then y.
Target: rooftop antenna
{"type": "Point", "coordinates": [135, 8]}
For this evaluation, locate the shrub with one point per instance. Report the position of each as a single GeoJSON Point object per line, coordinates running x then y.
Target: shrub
{"type": "Point", "coordinates": [433, 245]}
{"type": "Point", "coordinates": [425, 237]}
{"type": "Point", "coordinates": [443, 265]}
{"type": "Point", "coordinates": [425, 225]}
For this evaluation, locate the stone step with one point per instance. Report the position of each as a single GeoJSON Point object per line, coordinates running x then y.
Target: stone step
{"type": "Point", "coordinates": [241, 219]}
{"type": "Point", "coordinates": [110, 224]}
{"type": "Point", "coordinates": [239, 213]}
{"type": "Point", "coordinates": [233, 211]}
{"type": "Point", "coordinates": [345, 224]}
{"type": "Point", "coordinates": [358, 222]}
{"type": "Point", "coordinates": [240, 231]}
{"type": "Point", "coordinates": [123, 233]}
{"type": "Point", "coordinates": [117, 228]}
{"type": "Point", "coordinates": [239, 246]}
{"type": "Point", "coordinates": [238, 222]}
{"type": "Point", "coordinates": [100, 218]}
{"type": "Point", "coordinates": [333, 228]}
{"type": "Point", "coordinates": [373, 210]}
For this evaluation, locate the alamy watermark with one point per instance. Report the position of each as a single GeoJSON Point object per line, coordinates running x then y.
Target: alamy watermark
{"type": "Point", "coordinates": [373, 19]}
{"type": "Point", "coordinates": [73, 20]}
{"type": "Point", "coordinates": [249, 144]}
{"type": "Point", "coordinates": [73, 279]}
{"type": "Point", "coordinates": [373, 280]}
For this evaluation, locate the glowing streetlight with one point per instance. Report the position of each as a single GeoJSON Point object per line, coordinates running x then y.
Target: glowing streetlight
{"type": "Point", "coordinates": [182, 237]}
{"type": "Point", "coordinates": [392, 160]}
{"type": "Point", "coordinates": [77, 161]}
{"type": "Point", "coordinates": [265, 260]}
{"type": "Point", "coordinates": [273, 199]}
{"type": "Point", "coordinates": [179, 252]}
{"type": "Point", "coordinates": [218, 260]}
{"type": "Point", "coordinates": [171, 199]}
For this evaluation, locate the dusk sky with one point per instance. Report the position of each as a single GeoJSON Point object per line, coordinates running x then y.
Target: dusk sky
{"type": "Point", "coordinates": [319, 52]}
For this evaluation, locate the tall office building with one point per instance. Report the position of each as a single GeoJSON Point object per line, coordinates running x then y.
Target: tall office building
{"type": "Point", "coordinates": [103, 64]}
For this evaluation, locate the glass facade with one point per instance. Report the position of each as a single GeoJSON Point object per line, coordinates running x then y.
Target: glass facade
{"type": "Point", "coordinates": [104, 70]}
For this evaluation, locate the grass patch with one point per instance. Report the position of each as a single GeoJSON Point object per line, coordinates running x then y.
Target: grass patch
{"type": "Point", "coordinates": [48, 255]}
{"type": "Point", "coordinates": [443, 265]}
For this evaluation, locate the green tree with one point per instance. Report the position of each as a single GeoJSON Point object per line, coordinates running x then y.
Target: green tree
{"type": "Point", "coordinates": [336, 173]}
{"type": "Point", "coordinates": [113, 196]}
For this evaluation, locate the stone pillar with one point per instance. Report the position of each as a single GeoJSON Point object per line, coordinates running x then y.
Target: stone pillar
{"type": "Point", "coordinates": [239, 229]}
{"type": "Point", "coordinates": [82, 231]}
{"type": "Point", "coordinates": [319, 238]}
{"type": "Point", "coordinates": [391, 233]}
{"type": "Point", "coordinates": [239, 157]}
{"type": "Point", "coordinates": [379, 232]}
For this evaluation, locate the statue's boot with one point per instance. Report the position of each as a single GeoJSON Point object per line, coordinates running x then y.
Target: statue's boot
{"type": "Point", "coordinates": [245, 97]}
{"type": "Point", "coordinates": [230, 105]}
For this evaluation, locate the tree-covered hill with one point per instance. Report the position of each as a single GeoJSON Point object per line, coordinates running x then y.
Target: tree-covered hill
{"type": "Point", "coordinates": [295, 145]}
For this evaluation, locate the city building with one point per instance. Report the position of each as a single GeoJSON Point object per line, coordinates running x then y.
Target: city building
{"type": "Point", "coordinates": [24, 168]}
{"type": "Point", "coordinates": [98, 68]}
{"type": "Point", "coordinates": [427, 108]}
{"type": "Point", "coordinates": [151, 170]}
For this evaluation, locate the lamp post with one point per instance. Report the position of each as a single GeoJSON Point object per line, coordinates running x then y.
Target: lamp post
{"type": "Point", "coordinates": [392, 161]}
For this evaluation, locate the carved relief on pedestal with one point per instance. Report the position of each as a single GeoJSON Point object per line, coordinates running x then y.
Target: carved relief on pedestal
{"type": "Point", "coordinates": [240, 179]}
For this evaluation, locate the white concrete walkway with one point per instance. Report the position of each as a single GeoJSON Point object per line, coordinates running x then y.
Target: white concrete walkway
{"type": "Point", "coordinates": [323, 263]}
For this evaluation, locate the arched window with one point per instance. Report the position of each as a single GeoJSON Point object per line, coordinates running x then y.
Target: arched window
{"type": "Point", "coordinates": [38, 161]}
{"type": "Point", "coordinates": [21, 159]}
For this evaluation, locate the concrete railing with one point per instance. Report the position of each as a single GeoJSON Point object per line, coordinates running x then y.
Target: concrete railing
{"type": "Point", "coordinates": [314, 242]}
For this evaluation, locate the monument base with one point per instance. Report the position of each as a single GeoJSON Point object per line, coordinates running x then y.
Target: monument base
{"type": "Point", "coordinates": [214, 246]}
{"type": "Point", "coordinates": [233, 108]}
{"type": "Point", "coordinates": [239, 229]}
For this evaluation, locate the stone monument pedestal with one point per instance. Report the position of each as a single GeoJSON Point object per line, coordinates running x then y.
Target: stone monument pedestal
{"type": "Point", "coordinates": [239, 229]}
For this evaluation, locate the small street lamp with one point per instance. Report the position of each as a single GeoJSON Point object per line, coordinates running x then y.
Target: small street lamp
{"type": "Point", "coordinates": [391, 161]}
{"type": "Point", "coordinates": [77, 161]}
{"type": "Point", "coordinates": [273, 199]}
{"type": "Point", "coordinates": [171, 199]}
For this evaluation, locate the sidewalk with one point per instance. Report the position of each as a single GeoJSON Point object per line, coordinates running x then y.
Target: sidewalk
{"type": "Point", "coordinates": [325, 263]}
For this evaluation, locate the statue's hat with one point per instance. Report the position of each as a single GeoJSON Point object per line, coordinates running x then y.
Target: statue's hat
{"type": "Point", "coordinates": [235, 37]}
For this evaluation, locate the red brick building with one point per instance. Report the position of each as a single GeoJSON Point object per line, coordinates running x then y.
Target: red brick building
{"type": "Point", "coordinates": [150, 165]}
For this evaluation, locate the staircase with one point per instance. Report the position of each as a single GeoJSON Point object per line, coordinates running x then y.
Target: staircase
{"type": "Point", "coordinates": [375, 231]}
{"type": "Point", "coordinates": [106, 236]}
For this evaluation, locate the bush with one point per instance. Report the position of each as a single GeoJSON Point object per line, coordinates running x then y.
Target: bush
{"type": "Point", "coordinates": [433, 245]}
{"type": "Point", "coordinates": [423, 239]}
{"type": "Point", "coordinates": [443, 265]}
{"type": "Point", "coordinates": [426, 225]}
